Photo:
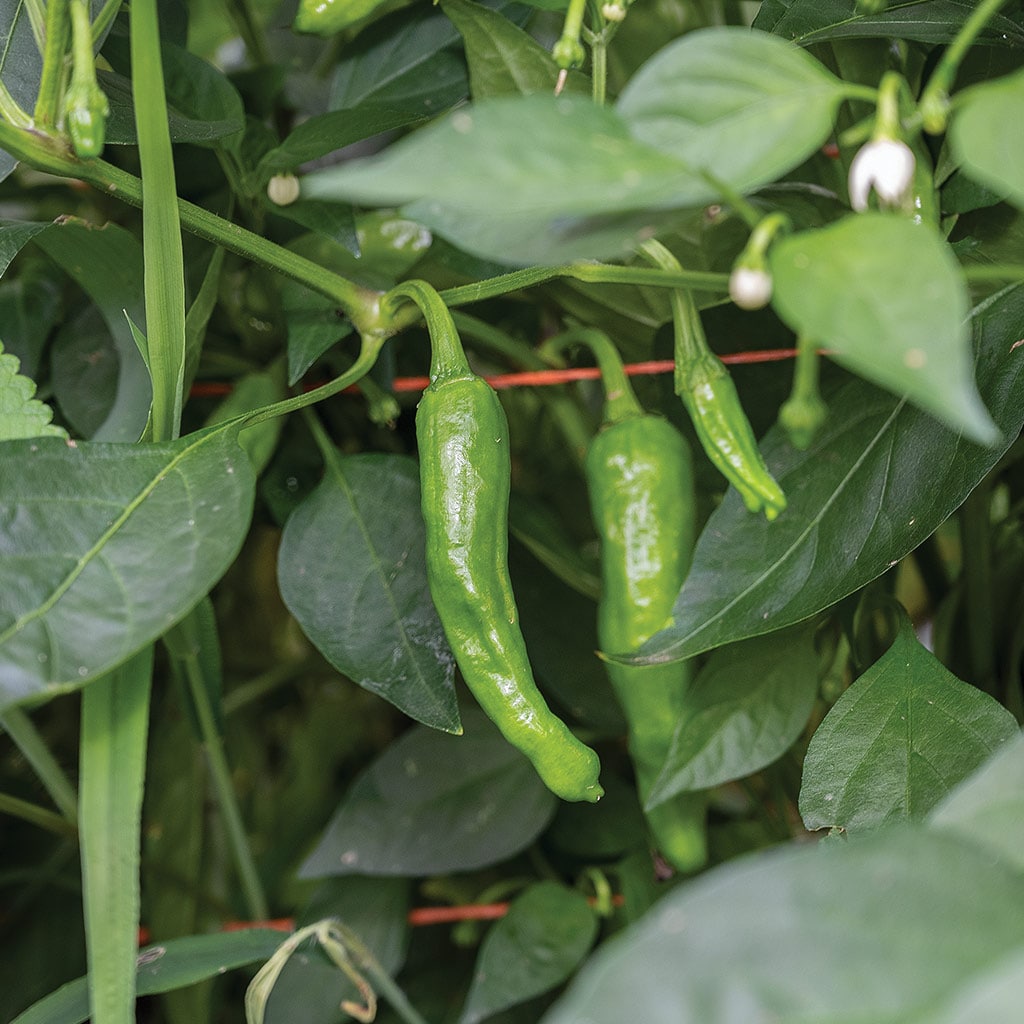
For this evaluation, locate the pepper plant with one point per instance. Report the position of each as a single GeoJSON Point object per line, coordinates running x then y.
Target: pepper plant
{"type": "Point", "coordinates": [250, 622]}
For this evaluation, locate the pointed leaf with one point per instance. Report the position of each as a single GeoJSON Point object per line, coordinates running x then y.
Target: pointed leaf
{"type": "Point", "coordinates": [106, 546]}
{"type": "Point", "coordinates": [745, 709]}
{"type": "Point", "coordinates": [745, 106]}
{"type": "Point", "coordinates": [434, 803]}
{"type": "Point", "coordinates": [897, 741]}
{"type": "Point", "coordinates": [352, 570]}
{"type": "Point", "coordinates": [995, 158]}
{"type": "Point", "coordinates": [877, 481]}
{"type": "Point", "coordinates": [22, 415]}
{"type": "Point", "coordinates": [13, 236]}
{"type": "Point", "coordinates": [886, 297]}
{"type": "Point", "coordinates": [547, 932]}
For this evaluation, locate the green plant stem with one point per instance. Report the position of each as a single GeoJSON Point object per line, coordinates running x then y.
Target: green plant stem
{"type": "Point", "coordinates": [51, 84]}
{"type": "Point", "coordinates": [994, 272]}
{"type": "Point", "coordinates": [253, 689]}
{"type": "Point", "coordinates": [599, 69]}
{"type": "Point", "coordinates": [103, 20]}
{"type": "Point", "coordinates": [19, 727]}
{"type": "Point", "coordinates": [249, 29]}
{"type": "Point", "coordinates": [36, 815]}
{"type": "Point", "coordinates": [620, 399]}
{"type": "Point", "coordinates": [220, 774]}
{"type": "Point", "coordinates": [934, 102]}
{"type": "Point", "coordinates": [976, 542]}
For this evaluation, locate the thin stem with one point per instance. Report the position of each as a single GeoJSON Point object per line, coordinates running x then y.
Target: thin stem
{"type": "Point", "coordinates": [691, 343]}
{"type": "Point", "coordinates": [934, 102]}
{"type": "Point", "coordinates": [976, 539]}
{"type": "Point", "coordinates": [36, 815]}
{"type": "Point", "coordinates": [994, 272]}
{"type": "Point", "coordinates": [102, 22]}
{"type": "Point", "coordinates": [620, 398]}
{"type": "Point", "coordinates": [252, 690]}
{"type": "Point", "coordinates": [448, 358]}
{"type": "Point", "coordinates": [599, 69]}
{"type": "Point", "coordinates": [19, 727]}
{"type": "Point", "coordinates": [220, 773]}
{"type": "Point", "coordinates": [51, 84]}
{"type": "Point", "coordinates": [249, 29]}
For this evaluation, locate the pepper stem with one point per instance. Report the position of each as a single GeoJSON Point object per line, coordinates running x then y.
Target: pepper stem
{"type": "Point", "coordinates": [447, 356]}
{"type": "Point", "coordinates": [620, 401]}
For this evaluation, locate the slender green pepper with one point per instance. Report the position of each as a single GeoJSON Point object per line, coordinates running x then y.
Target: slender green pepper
{"type": "Point", "coordinates": [465, 468]}
{"type": "Point", "coordinates": [640, 478]}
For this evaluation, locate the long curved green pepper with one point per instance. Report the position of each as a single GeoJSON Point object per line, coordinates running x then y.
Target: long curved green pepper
{"type": "Point", "coordinates": [640, 478]}
{"type": "Point", "coordinates": [465, 468]}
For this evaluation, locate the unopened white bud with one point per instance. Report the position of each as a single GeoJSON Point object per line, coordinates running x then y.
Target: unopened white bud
{"type": "Point", "coordinates": [613, 12]}
{"type": "Point", "coordinates": [283, 189]}
{"type": "Point", "coordinates": [750, 287]}
{"type": "Point", "coordinates": [885, 165]}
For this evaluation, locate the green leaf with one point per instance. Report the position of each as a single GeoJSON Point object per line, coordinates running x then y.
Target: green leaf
{"type": "Point", "coordinates": [107, 264]}
{"type": "Point", "coordinates": [876, 930]}
{"type": "Point", "coordinates": [21, 414]}
{"type": "Point", "coordinates": [877, 481]}
{"type": "Point", "coordinates": [13, 236]}
{"type": "Point", "coordinates": [581, 161]}
{"type": "Point", "coordinates": [434, 803]}
{"type": "Point", "coordinates": [502, 57]}
{"type": "Point", "coordinates": [991, 156]}
{"type": "Point", "coordinates": [548, 930]}
{"type": "Point", "coordinates": [992, 995]}
{"type": "Point", "coordinates": [746, 707]}
{"type": "Point", "coordinates": [924, 21]}
{"type": "Point", "coordinates": [352, 570]}
{"type": "Point", "coordinates": [174, 964]}
{"type": "Point", "coordinates": [106, 547]}
{"type": "Point", "coordinates": [886, 297]}
{"type": "Point", "coordinates": [897, 741]}
{"type": "Point", "coordinates": [988, 808]}
{"type": "Point", "coordinates": [251, 392]}
{"type": "Point", "coordinates": [742, 105]}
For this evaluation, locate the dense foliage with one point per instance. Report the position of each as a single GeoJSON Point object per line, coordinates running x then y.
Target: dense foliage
{"type": "Point", "coordinates": [241, 772]}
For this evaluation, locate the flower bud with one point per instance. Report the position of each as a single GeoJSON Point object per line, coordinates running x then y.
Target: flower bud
{"type": "Point", "coordinates": [750, 287]}
{"type": "Point", "coordinates": [283, 189]}
{"type": "Point", "coordinates": [885, 165]}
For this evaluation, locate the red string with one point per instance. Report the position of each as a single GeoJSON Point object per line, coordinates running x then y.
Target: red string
{"type": "Point", "coordinates": [530, 378]}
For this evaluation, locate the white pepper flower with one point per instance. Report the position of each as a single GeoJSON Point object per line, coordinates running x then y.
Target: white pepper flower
{"type": "Point", "coordinates": [885, 165]}
{"type": "Point", "coordinates": [283, 189]}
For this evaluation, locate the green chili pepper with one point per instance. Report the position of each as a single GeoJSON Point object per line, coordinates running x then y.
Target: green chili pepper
{"type": "Point", "coordinates": [640, 478]}
{"type": "Point", "coordinates": [326, 17]}
{"type": "Point", "coordinates": [462, 434]}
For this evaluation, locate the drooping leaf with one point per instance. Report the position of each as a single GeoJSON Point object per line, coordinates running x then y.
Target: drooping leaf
{"type": "Point", "coordinates": [22, 414]}
{"type": "Point", "coordinates": [878, 930]}
{"type": "Point", "coordinates": [163, 968]}
{"type": "Point", "coordinates": [877, 481]}
{"type": "Point", "coordinates": [547, 932]}
{"type": "Point", "coordinates": [993, 157]}
{"type": "Point", "coordinates": [106, 546]}
{"type": "Point", "coordinates": [988, 808]}
{"type": "Point", "coordinates": [746, 707]}
{"type": "Point", "coordinates": [352, 570]}
{"type": "Point", "coordinates": [897, 741]}
{"type": "Point", "coordinates": [924, 21]}
{"type": "Point", "coordinates": [886, 297]}
{"type": "Point", "coordinates": [744, 106]}
{"type": "Point", "coordinates": [434, 803]}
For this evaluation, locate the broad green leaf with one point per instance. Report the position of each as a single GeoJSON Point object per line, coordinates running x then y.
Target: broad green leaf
{"type": "Point", "coordinates": [434, 803]}
{"type": "Point", "coordinates": [580, 161]}
{"type": "Point", "coordinates": [352, 570]}
{"type": "Point", "coordinates": [877, 481]}
{"type": "Point", "coordinates": [886, 297]}
{"type": "Point", "coordinates": [897, 741]}
{"type": "Point", "coordinates": [924, 21]}
{"type": "Point", "coordinates": [744, 106]}
{"type": "Point", "coordinates": [990, 997]}
{"type": "Point", "coordinates": [106, 546]}
{"type": "Point", "coordinates": [163, 968]}
{"type": "Point", "coordinates": [107, 264]}
{"type": "Point", "coordinates": [13, 236]}
{"type": "Point", "coordinates": [115, 726]}
{"type": "Point", "coordinates": [21, 413]}
{"type": "Point", "coordinates": [251, 392]}
{"type": "Point", "coordinates": [548, 930]}
{"type": "Point", "coordinates": [987, 152]}
{"type": "Point", "coordinates": [876, 930]}
{"type": "Point", "coordinates": [502, 57]}
{"type": "Point", "coordinates": [988, 808]}
{"type": "Point", "coordinates": [746, 707]}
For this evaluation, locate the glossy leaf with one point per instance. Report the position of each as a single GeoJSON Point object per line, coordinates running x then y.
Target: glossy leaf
{"type": "Point", "coordinates": [106, 546]}
{"type": "Point", "coordinates": [744, 106]}
{"type": "Point", "coordinates": [993, 157]}
{"type": "Point", "coordinates": [163, 968]}
{"type": "Point", "coordinates": [352, 570]}
{"type": "Point", "coordinates": [547, 932]}
{"type": "Point", "coordinates": [897, 741]}
{"type": "Point", "coordinates": [22, 414]}
{"type": "Point", "coordinates": [746, 707]}
{"type": "Point", "coordinates": [924, 21]}
{"type": "Point", "coordinates": [876, 930]}
{"type": "Point", "coordinates": [877, 481]}
{"type": "Point", "coordinates": [988, 809]}
{"type": "Point", "coordinates": [434, 803]}
{"type": "Point", "coordinates": [886, 297]}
